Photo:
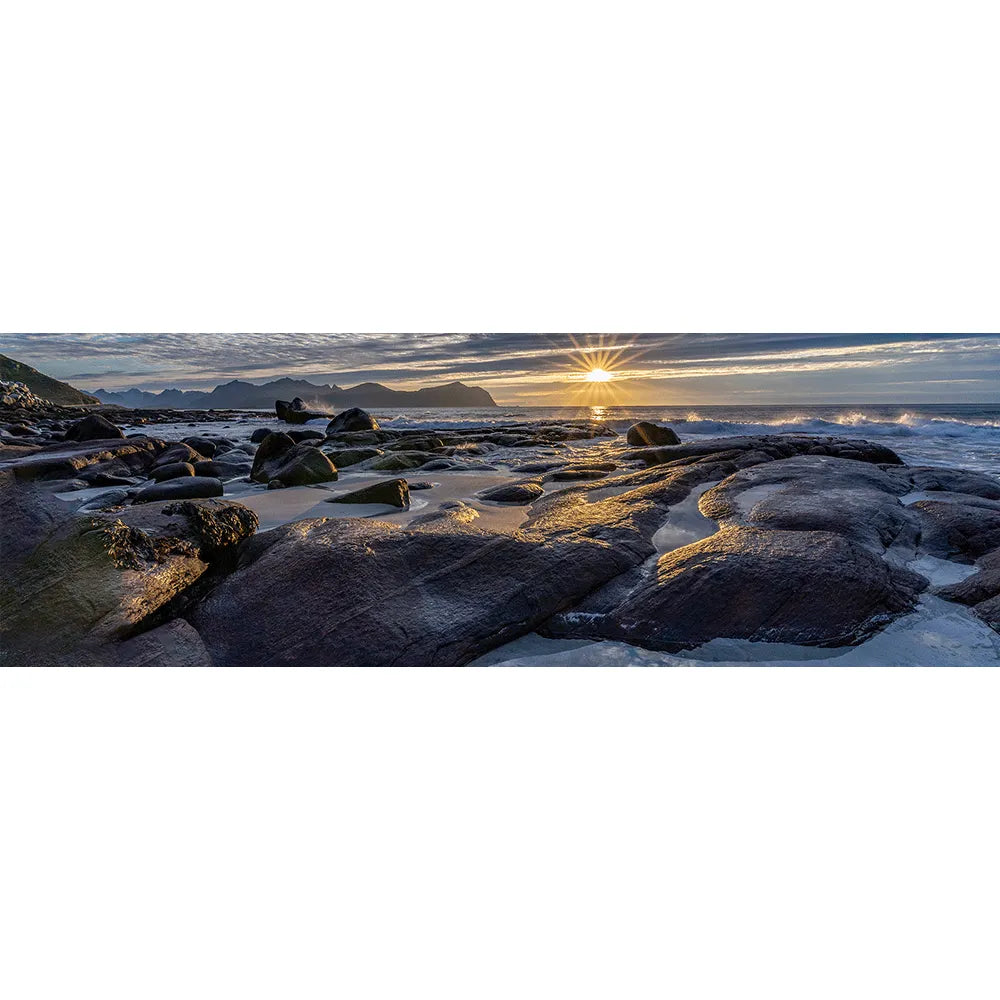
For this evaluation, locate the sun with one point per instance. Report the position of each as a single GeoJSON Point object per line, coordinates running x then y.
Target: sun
{"type": "Point", "coordinates": [598, 375]}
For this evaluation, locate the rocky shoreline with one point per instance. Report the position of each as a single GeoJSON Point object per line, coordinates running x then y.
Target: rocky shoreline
{"type": "Point", "coordinates": [129, 549]}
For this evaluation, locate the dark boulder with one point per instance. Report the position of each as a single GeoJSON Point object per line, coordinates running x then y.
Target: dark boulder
{"type": "Point", "coordinates": [94, 427]}
{"type": "Point", "coordinates": [969, 529]}
{"type": "Point", "coordinates": [307, 435]}
{"type": "Point", "coordinates": [354, 419]}
{"type": "Point", "coordinates": [172, 470]}
{"type": "Point", "coordinates": [436, 595]}
{"type": "Point", "coordinates": [203, 445]}
{"type": "Point", "coordinates": [935, 479]}
{"type": "Point", "coordinates": [394, 492]}
{"type": "Point", "coordinates": [278, 457]}
{"type": "Point", "coordinates": [398, 461]}
{"type": "Point", "coordinates": [645, 434]}
{"type": "Point", "coordinates": [68, 459]}
{"type": "Point", "coordinates": [342, 457]}
{"type": "Point", "coordinates": [817, 493]}
{"type": "Point", "coordinates": [295, 411]}
{"type": "Point", "coordinates": [92, 580]}
{"type": "Point", "coordinates": [513, 493]}
{"type": "Point", "coordinates": [179, 452]}
{"type": "Point", "coordinates": [806, 587]}
{"type": "Point", "coordinates": [259, 434]}
{"type": "Point", "coordinates": [188, 487]}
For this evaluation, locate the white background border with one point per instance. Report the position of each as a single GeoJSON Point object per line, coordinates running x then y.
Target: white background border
{"type": "Point", "coordinates": [549, 166]}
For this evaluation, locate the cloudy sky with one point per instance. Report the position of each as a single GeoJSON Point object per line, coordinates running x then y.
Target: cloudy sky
{"type": "Point", "coordinates": [535, 368]}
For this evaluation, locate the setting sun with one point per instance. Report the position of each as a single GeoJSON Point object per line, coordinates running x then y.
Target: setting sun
{"type": "Point", "coordinates": [598, 375]}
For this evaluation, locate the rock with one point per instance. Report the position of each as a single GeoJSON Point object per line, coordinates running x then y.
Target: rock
{"type": "Point", "coordinates": [185, 488]}
{"type": "Point", "coordinates": [307, 435]}
{"type": "Point", "coordinates": [179, 452]}
{"type": "Point", "coordinates": [259, 434]}
{"type": "Point", "coordinates": [94, 428]}
{"type": "Point", "coordinates": [954, 481]}
{"type": "Point", "coordinates": [394, 492]}
{"type": "Point", "coordinates": [172, 470]}
{"type": "Point", "coordinates": [295, 411]}
{"type": "Point", "coordinates": [574, 472]}
{"type": "Point", "coordinates": [67, 459]}
{"type": "Point", "coordinates": [769, 447]}
{"type": "Point", "coordinates": [354, 419]}
{"type": "Point", "coordinates": [645, 434]}
{"type": "Point", "coordinates": [212, 469]}
{"type": "Point", "coordinates": [513, 493]}
{"type": "Point", "coordinates": [175, 644]}
{"type": "Point", "coordinates": [95, 579]}
{"type": "Point", "coordinates": [398, 461]}
{"type": "Point", "coordinates": [278, 457]}
{"type": "Point", "coordinates": [980, 586]}
{"type": "Point", "coordinates": [969, 529]}
{"type": "Point", "coordinates": [805, 587]}
{"type": "Point", "coordinates": [818, 493]}
{"type": "Point", "coordinates": [421, 484]}
{"type": "Point", "coordinates": [203, 445]}
{"type": "Point", "coordinates": [342, 457]}
{"type": "Point", "coordinates": [439, 465]}
{"type": "Point", "coordinates": [276, 484]}
{"type": "Point", "coordinates": [439, 594]}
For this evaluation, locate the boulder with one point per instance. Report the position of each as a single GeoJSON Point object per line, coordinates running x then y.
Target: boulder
{"type": "Point", "coordinates": [307, 435]}
{"type": "Point", "coordinates": [278, 457]}
{"type": "Point", "coordinates": [188, 487]}
{"type": "Point", "coordinates": [645, 434]}
{"type": "Point", "coordinates": [968, 529]}
{"type": "Point", "coordinates": [295, 411]}
{"type": "Point", "coordinates": [818, 493]}
{"type": "Point", "coordinates": [342, 457]}
{"type": "Point", "coordinates": [179, 452]}
{"type": "Point", "coordinates": [93, 427]}
{"type": "Point", "coordinates": [259, 434]}
{"type": "Point", "coordinates": [354, 419]}
{"type": "Point", "coordinates": [203, 445]}
{"type": "Point", "coordinates": [398, 461]}
{"type": "Point", "coordinates": [513, 493]}
{"type": "Point", "coordinates": [68, 459]}
{"type": "Point", "coordinates": [805, 587]}
{"type": "Point", "coordinates": [436, 595]}
{"type": "Point", "coordinates": [394, 492]}
{"type": "Point", "coordinates": [92, 580]}
{"type": "Point", "coordinates": [172, 470]}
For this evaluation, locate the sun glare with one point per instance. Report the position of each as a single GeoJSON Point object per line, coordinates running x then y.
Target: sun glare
{"type": "Point", "coordinates": [598, 375]}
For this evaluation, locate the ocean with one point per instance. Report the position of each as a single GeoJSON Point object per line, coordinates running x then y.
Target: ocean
{"type": "Point", "coordinates": [956, 434]}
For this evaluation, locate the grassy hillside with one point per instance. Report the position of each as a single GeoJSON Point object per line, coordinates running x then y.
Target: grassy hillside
{"type": "Point", "coordinates": [41, 385]}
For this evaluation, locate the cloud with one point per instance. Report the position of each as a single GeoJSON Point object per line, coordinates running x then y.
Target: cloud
{"type": "Point", "coordinates": [516, 363]}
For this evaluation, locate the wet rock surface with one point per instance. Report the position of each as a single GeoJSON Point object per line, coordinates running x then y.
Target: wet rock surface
{"type": "Point", "coordinates": [800, 538]}
{"type": "Point", "coordinates": [394, 492]}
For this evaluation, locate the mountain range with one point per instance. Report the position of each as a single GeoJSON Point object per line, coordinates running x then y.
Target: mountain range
{"type": "Point", "coordinates": [237, 395]}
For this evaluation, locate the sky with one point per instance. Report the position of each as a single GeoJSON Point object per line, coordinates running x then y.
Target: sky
{"type": "Point", "coordinates": [544, 368]}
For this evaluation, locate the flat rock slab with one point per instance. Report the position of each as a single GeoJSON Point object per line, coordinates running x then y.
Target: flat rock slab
{"type": "Point", "coordinates": [803, 587]}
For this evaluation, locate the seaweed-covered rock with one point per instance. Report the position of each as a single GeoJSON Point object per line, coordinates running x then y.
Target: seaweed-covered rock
{"type": "Point", "coordinates": [90, 580]}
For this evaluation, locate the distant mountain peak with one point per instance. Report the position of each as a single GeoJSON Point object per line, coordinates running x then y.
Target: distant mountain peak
{"type": "Point", "coordinates": [239, 395]}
